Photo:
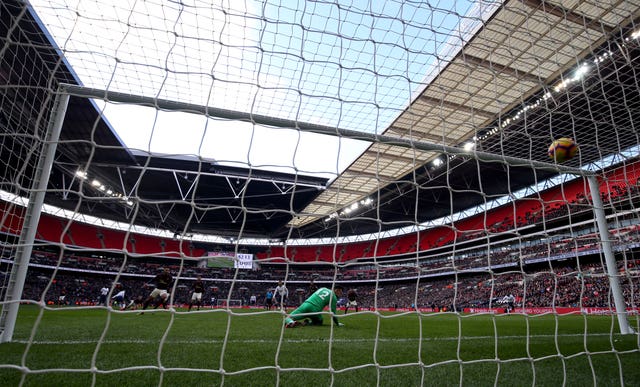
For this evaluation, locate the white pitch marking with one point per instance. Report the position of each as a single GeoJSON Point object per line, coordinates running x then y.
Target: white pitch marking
{"type": "Point", "coordinates": [263, 341]}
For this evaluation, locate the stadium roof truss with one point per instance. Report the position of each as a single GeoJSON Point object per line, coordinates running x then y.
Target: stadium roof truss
{"type": "Point", "coordinates": [481, 94]}
{"type": "Point", "coordinates": [523, 48]}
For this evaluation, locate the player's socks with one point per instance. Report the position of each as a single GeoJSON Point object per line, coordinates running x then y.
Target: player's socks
{"type": "Point", "coordinates": [290, 323]}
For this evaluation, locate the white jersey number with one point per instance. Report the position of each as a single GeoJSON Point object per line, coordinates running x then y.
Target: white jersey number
{"type": "Point", "coordinates": [323, 293]}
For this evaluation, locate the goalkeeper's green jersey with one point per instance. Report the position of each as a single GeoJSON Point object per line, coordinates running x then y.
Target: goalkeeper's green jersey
{"type": "Point", "coordinates": [321, 298]}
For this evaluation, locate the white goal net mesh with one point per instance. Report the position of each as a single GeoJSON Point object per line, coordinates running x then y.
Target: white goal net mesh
{"type": "Point", "coordinates": [319, 192]}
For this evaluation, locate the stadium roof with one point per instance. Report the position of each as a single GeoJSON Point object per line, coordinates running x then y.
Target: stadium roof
{"type": "Point", "coordinates": [510, 91]}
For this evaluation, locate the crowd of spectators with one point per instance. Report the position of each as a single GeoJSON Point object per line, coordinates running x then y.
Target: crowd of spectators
{"type": "Point", "coordinates": [477, 276]}
{"type": "Point", "coordinates": [552, 284]}
{"type": "Point", "coordinates": [501, 255]}
{"type": "Point", "coordinates": [425, 282]}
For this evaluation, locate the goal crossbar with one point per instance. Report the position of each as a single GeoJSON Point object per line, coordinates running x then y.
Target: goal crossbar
{"type": "Point", "coordinates": [113, 96]}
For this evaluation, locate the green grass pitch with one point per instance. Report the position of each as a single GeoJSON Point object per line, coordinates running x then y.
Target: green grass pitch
{"type": "Point", "coordinates": [90, 346]}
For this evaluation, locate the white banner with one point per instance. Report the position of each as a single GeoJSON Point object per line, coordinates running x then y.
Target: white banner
{"type": "Point", "coordinates": [243, 261]}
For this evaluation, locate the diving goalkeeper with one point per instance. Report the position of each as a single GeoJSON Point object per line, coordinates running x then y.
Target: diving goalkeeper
{"type": "Point", "coordinates": [310, 310]}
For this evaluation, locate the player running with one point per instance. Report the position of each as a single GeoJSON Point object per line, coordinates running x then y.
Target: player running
{"type": "Point", "coordinates": [310, 310]}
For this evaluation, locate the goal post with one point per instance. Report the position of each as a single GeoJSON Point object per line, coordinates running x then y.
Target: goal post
{"type": "Point", "coordinates": [20, 266]}
{"type": "Point", "coordinates": [7, 322]}
{"type": "Point", "coordinates": [612, 272]}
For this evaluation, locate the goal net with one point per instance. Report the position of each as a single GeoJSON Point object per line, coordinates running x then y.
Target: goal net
{"type": "Point", "coordinates": [326, 193]}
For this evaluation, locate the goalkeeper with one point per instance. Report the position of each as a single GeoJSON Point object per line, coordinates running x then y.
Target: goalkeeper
{"type": "Point", "coordinates": [311, 310]}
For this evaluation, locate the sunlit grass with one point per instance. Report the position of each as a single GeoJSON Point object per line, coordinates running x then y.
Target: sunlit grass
{"type": "Point", "coordinates": [79, 347]}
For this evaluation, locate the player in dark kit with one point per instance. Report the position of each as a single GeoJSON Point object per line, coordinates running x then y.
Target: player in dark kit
{"type": "Point", "coordinates": [312, 287]}
{"type": "Point", "coordinates": [351, 300]}
{"type": "Point", "coordinates": [198, 290]}
{"type": "Point", "coordinates": [268, 300]}
{"type": "Point", "coordinates": [160, 293]}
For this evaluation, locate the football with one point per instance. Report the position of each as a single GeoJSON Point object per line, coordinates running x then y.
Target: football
{"type": "Point", "coordinates": [562, 149]}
